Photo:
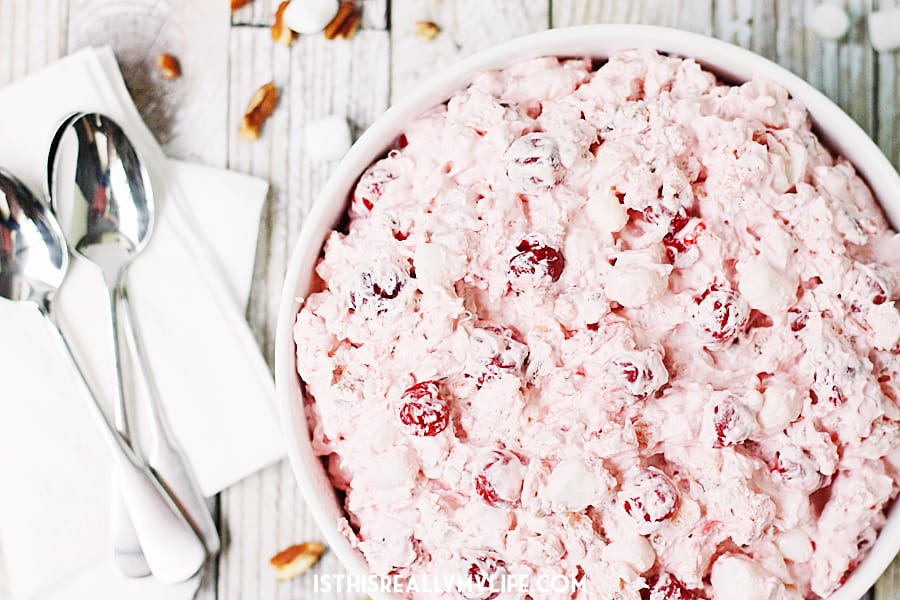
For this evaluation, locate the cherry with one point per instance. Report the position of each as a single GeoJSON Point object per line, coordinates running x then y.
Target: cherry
{"type": "Point", "coordinates": [533, 163]}
{"type": "Point", "coordinates": [648, 496]}
{"type": "Point", "coordinates": [666, 587]}
{"type": "Point", "coordinates": [485, 489]}
{"type": "Point", "coordinates": [799, 322]}
{"type": "Point", "coordinates": [675, 221]}
{"type": "Point", "coordinates": [370, 188]}
{"type": "Point", "coordinates": [373, 288]}
{"type": "Point", "coordinates": [681, 249]}
{"type": "Point", "coordinates": [825, 386]}
{"type": "Point", "coordinates": [721, 313]}
{"type": "Point", "coordinates": [731, 422]}
{"type": "Point", "coordinates": [482, 576]}
{"type": "Point", "coordinates": [424, 413]}
{"type": "Point", "coordinates": [798, 470]}
{"type": "Point", "coordinates": [878, 293]}
{"type": "Point", "coordinates": [536, 260]}
{"type": "Point", "coordinates": [641, 373]}
{"type": "Point", "coordinates": [500, 481]}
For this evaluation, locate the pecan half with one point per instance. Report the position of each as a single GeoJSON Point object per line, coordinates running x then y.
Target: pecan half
{"type": "Point", "coordinates": [427, 30]}
{"type": "Point", "coordinates": [346, 12]}
{"type": "Point", "coordinates": [169, 66]}
{"type": "Point", "coordinates": [280, 32]}
{"type": "Point", "coordinates": [296, 560]}
{"type": "Point", "coordinates": [260, 108]}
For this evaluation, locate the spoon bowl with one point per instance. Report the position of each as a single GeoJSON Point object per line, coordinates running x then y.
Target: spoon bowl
{"type": "Point", "coordinates": [106, 206]}
{"type": "Point", "coordinates": [33, 255]}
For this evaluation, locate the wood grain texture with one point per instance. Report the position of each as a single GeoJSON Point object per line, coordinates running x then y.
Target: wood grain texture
{"type": "Point", "coordinates": [32, 34]}
{"type": "Point", "coordinates": [262, 12]}
{"type": "Point", "coordinates": [888, 586]}
{"type": "Point", "coordinates": [466, 27]}
{"type": "Point", "coordinates": [187, 115]}
{"type": "Point", "coordinates": [681, 14]}
{"type": "Point", "coordinates": [197, 118]}
{"type": "Point", "coordinates": [265, 513]}
{"type": "Point", "coordinates": [887, 131]}
{"type": "Point", "coordinates": [887, 114]}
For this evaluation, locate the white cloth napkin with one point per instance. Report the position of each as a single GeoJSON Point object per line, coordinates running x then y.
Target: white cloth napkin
{"type": "Point", "coordinates": [189, 290]}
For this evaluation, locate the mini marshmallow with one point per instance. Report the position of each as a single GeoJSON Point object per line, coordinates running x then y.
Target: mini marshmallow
{"type": "Point", "coordinates": [781, 406]}
{"type": "Point", "coordinates": [794, 545]}
{"type": "Point", "coordinates": [738, 578]}
{"type": "Point", "coordinates": [606, 212]}
{"type": "Point", "coordinates": [634, 286]}
{"type": "Point", "coordinates": [635, 551]}
{"type": "Point", "coordinates": [438, 264]}
{"type": "Point", "coordinates": [765, 288]}
{"type": "Point", "coordinates": [572, 487]}
{"type": "Point", "coordinates": [309, 16]}
{"type": "Point", "coordinates": [830, 21]}
{"type": "Point", "coordinates": [884, 34]}
{"type": "Point", "coordinates": [328, 138]}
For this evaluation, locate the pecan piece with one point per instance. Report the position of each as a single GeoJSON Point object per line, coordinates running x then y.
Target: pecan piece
{"type": "Point", "coordinates": [169, 66]}
{"type": "Point", "coordinates": [296, 560]}
{"type": "Point", "coordinates": [260, 108]}
{"type": "Point", "coordinates": [344, 14]}
{"type": "Point", "coordinates": [427, 30]}
{"type": "Point", "coordinates": [280, 32]}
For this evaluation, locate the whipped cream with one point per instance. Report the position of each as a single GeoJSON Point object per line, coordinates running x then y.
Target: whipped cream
{"type": "Point", "coordinates": [620, 322]}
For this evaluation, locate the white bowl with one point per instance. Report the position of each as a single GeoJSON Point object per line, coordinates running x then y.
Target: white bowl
{"type": "Point", "coordinates": [838, 131]}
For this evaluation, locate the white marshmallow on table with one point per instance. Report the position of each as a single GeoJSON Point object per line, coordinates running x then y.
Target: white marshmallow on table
{"type": "Point", "coordinates": [830, 21]}
{"type": "Point", "coordinates": [884, 29]}
{"type": "Point", "coordinates": [328, 138]}
{"type": "Point", "coordinates": [309, 16]}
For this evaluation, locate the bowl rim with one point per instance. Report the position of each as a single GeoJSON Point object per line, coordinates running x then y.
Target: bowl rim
{"type": "Point", "coordinates": [841, 135]}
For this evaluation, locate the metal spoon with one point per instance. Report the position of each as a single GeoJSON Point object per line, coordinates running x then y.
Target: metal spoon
{"type": "Point", "coordinates": [108, 216]}
{"type": "Point", "coordinates": [33, 266]}
{"type": "Point", "coordinates": [127, 554]}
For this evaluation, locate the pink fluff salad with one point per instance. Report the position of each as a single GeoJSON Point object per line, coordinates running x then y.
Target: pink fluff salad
{"type": "Point", "coordinates": [624, 323]}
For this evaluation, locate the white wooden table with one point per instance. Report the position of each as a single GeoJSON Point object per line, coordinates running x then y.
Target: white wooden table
{"type": "Point", "coordinates": [225, 57]}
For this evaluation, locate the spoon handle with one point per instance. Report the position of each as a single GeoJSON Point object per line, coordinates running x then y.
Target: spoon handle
{"type": "Point", "coordinates": [172, 548]}
{"type": "Point", "coordinates": [127, 553]}
{"type": "Point", "coordinates": [165, 455]}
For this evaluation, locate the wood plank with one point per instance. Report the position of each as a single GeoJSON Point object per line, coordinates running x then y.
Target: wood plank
{"type": "Point", "coordinates": [888, 586]}
{"type": "Point", "coordinates": [262, 12]}
{"type": "Point", "coordinates": [255, 60]}
{"type": "Point", "coordinates": [466, 27]}
{"type": "Point", "coordinates": [264, 513]}
{"type": "Point", "coordinates": [887, 115]}
{"type": "Point", "coordinates": [187, 115]}
{"type": "Point", "coordinates": [32, 34]}
{"type": "Point", "coordinates": [691, 16]}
